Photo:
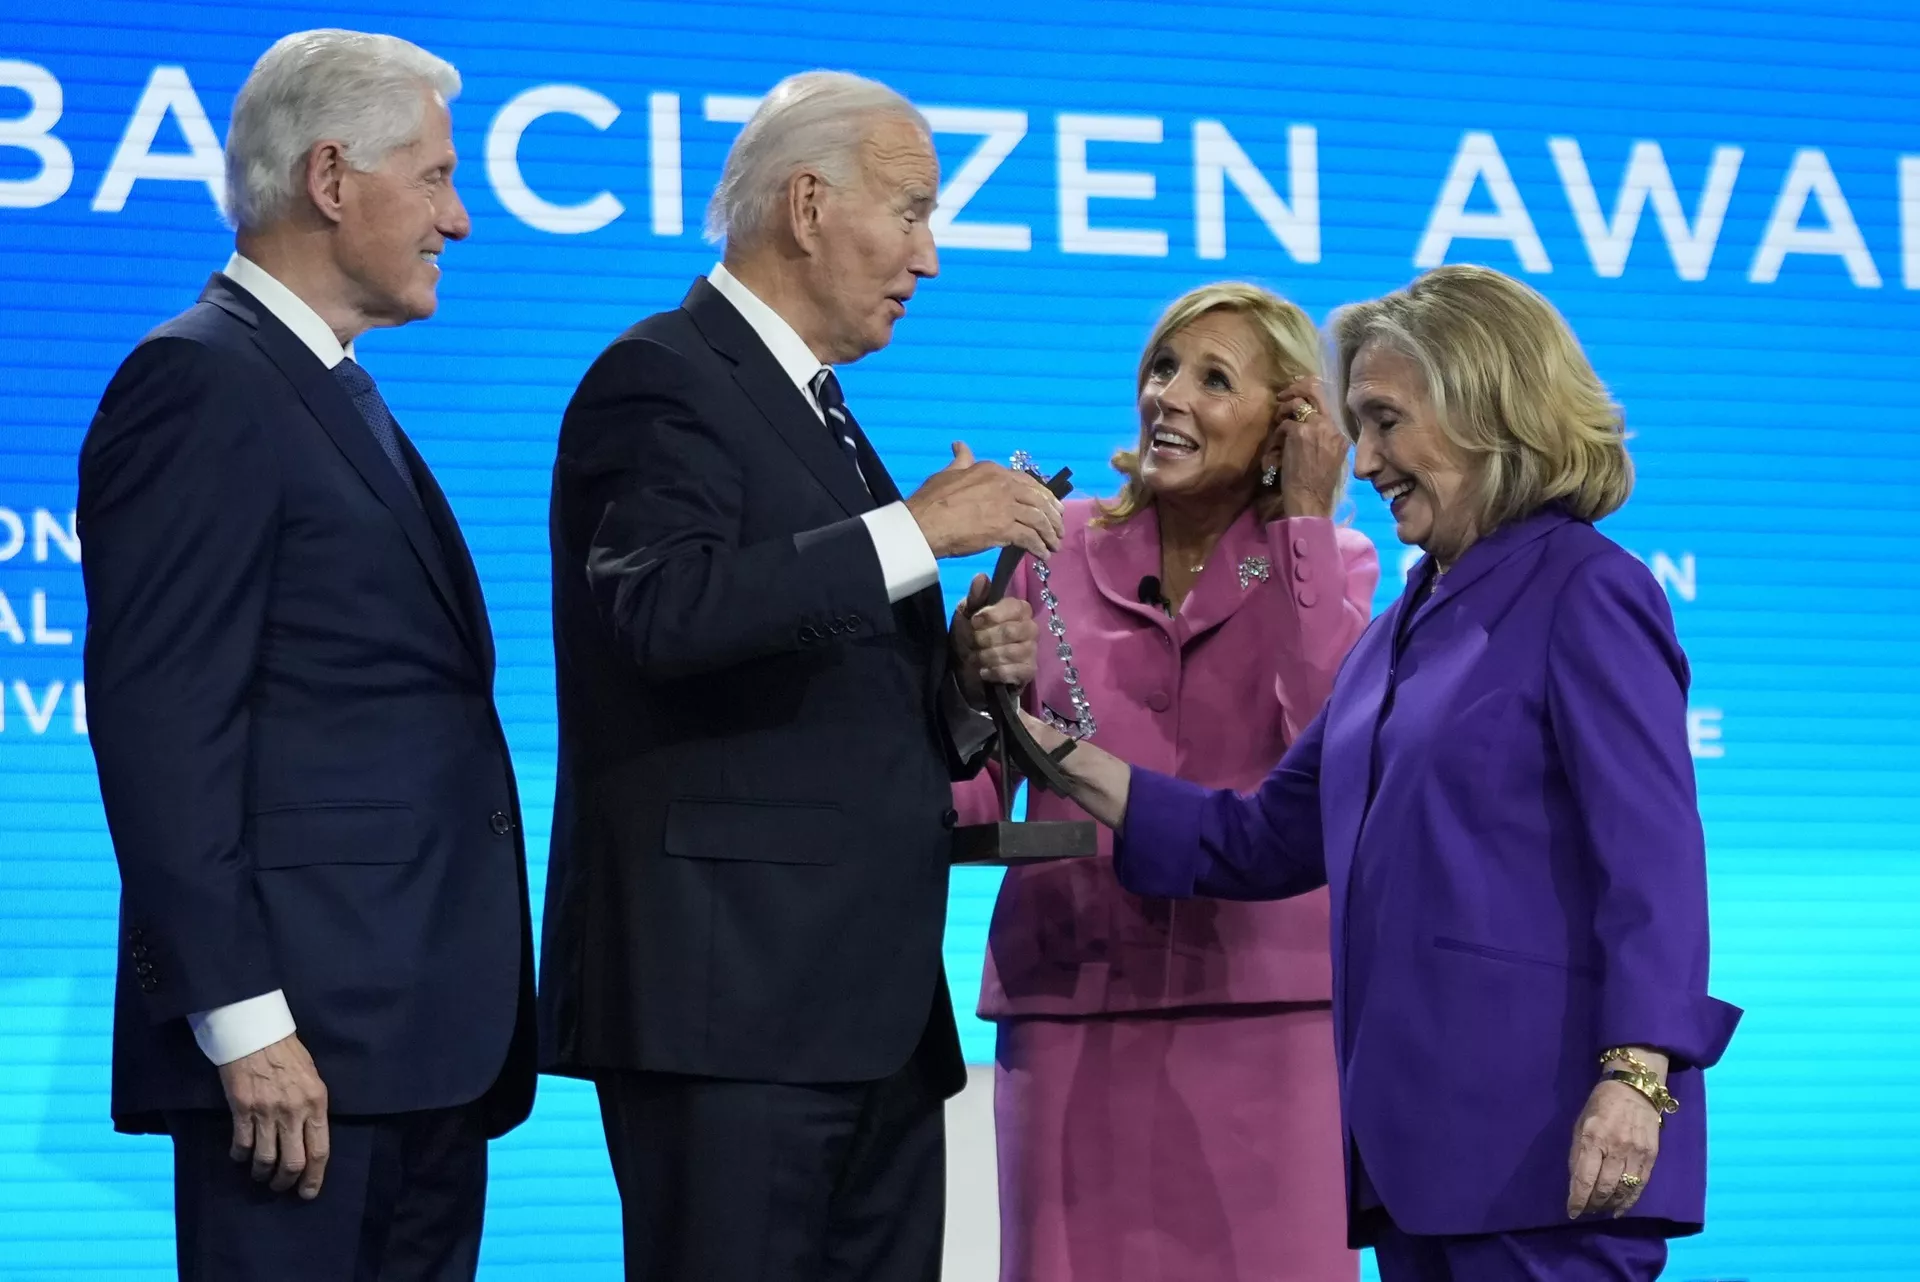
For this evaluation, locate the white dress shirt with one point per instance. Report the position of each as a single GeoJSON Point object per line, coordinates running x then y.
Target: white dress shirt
{"type": "Point", "coordinates": [227, 1033]}
{"type": "Point", "coordinates": [907, 564]}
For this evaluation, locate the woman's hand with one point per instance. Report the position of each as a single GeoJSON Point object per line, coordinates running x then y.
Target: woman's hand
{"type": "Point", "coordinates": [1309, 448]}
{"type": "Point", "coordinates": [1618, 1134]}
{"type": "Point", "coordinates": [1101, 781]}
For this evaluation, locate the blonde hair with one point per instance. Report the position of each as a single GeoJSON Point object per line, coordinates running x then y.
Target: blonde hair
{"type": "Point", "coordinates": [1285, 334]}
{"type": "Point", "coordinates": [1510, 388]}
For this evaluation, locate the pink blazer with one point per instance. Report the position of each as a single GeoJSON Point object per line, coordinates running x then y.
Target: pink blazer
{"type": "Point", "coordinates": [1213, 696]}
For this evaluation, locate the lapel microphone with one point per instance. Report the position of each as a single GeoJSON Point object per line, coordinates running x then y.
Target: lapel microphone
{"type": "Point", "coordinates": [1149, 592]}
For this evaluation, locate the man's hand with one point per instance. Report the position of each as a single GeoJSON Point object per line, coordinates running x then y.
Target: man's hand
{"type": "Point", "coordinates": [968, 507]}
{"type": "Point", "coordinates": [279, 1109]}
{"type": "Point", "coordinates": [994, 643]}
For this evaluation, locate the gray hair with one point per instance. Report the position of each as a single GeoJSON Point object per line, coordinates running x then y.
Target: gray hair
{"type": "Point", "coordinates": [360, 89]}
{"type": "Point", "coordinates": [814, 120]}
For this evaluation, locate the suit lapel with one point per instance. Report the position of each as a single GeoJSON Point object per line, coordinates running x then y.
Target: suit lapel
{"type": "Point", "coordinates": [1218, 592]}
{"type": "Point", "coordinates": [459, 559]}
{"type": "Point", "coordinates": [1346, 761]}
{"type": "Point", "coordinates": [1120, 556]}
{"type": "Point", "coordinates": [786, 409]}
{"type": "Point", "coordinates": [783, 405]}
{"type": "Point", "coordinates": [1481, 559]}
{"type": "Point", "coordinates": [329, 404]}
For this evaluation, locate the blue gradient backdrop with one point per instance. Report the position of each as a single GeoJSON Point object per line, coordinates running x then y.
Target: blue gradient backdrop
{"type": "Point", "coordinates": [1771, 396]}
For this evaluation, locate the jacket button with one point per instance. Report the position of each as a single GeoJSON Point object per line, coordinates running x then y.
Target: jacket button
{"type": "Point", "coordinates": [853, 622]}
{"type": "Point", "coordinates": [139, 952]}
{"type": "Point", "coordinates": [499, 822]}
{"type": "Point", "coordinates": [1302, 571]}
{"type": "Point", "coordinates": [949, 817]}
{"type": "Point", "coordinates": [143, 968]}
{"type": "Point", "coordinates": [1158, 701]}
{"type": "Point", "coordinates": [1306, 597]}
{"type": "Point", "coordinates": [148, 984]}
{"type": "Point", "coordinates": [134, 936]}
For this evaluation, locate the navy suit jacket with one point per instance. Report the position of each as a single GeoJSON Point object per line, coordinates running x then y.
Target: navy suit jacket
{"type": "Point", "coordinates": [289, 679]}
{"type": "Point", "coordinates": [750, 832]}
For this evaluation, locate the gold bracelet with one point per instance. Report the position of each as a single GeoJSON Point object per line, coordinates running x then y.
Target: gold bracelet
{"type": "Point", "coordinates": [1648, 1085]}
{"type": "Point", "coordinates": [1627, 1057]}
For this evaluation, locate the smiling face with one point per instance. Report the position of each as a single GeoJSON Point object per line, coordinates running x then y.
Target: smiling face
{"type": "Point", "coordinates": [874, 242]}
{"type": "Point", "coordinates": [394, 221]}
{"type": "Point", "coordinates": [1206, 410]}
{"type": "Point", "coordinates": [1404, 455]}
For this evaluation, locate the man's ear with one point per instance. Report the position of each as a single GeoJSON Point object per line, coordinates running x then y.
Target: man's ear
{"type": "Point", "coordinates": [326, 173]}
{"type": "Point", "coordinates": [806, 209]}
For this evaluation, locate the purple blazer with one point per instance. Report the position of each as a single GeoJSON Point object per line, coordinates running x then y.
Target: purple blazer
{"type": "Point", "coordinates": [1500, 798]}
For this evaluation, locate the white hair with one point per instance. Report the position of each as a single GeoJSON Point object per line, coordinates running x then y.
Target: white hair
{"type": "Point", "coordinates": [814, 120]}
{"type": "Point", "coordinates": [361, 90]}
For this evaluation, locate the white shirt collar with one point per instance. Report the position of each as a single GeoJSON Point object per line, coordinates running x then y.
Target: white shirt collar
{"type": "Point", "coordinates": [289, 309]}
{"type": "Point", "coordinates": [788, 348]}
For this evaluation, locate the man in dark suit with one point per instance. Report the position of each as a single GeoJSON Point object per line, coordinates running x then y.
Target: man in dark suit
{"type": "Point", "coordinates": [325, 988]}
{"type": "Point", "coordinates": [760, 718]}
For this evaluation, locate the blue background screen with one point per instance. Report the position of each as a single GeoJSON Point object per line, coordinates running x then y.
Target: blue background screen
{"type": "Point", "coordinates": [1723, 198]}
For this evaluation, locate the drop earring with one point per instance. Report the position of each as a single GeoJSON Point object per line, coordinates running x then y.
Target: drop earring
{"type": "Point", "coordinates": [1268, 477]}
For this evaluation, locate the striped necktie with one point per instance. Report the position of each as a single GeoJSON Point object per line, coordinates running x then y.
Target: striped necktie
{"type": "Point", "coordinates": [840, 420]}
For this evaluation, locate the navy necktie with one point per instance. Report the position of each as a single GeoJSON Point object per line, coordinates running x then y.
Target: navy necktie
{"type": "Point", "coordinates": [379, 419]}
{"type": "Point", "coordinates": [840, 421]}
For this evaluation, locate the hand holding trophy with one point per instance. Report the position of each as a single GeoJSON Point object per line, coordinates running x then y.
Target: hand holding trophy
{"type": "Point", "coordinates": [1016, 755]}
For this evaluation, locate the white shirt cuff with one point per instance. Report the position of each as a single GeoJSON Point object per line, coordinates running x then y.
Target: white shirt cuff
{"type": "Point", "coordinates": [906, 562]}
{"type": "Point", "coordinates": [227, 1033]}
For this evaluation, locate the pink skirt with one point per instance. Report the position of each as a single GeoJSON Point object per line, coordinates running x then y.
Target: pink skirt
{"type": "Point", "coordinates": [1176, 1146]}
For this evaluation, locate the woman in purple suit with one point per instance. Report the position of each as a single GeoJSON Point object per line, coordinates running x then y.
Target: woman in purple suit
{"type": "Point", "coordinates": [1500, 798]}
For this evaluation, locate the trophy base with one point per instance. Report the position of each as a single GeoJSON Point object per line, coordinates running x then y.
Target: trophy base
{"type": "Point", "coordinates": [1012, 845]}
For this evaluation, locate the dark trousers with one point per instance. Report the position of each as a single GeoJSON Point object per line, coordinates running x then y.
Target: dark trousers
{"type": "Point", "coordinates": [1610, 1251]}
{"type": "Point", "coordinates": [403, 1202]}
{"type": "Point", "coordinates": [724, 1181]}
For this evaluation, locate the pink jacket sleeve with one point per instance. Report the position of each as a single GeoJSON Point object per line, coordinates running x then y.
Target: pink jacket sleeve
{"type": "Point", "coordinates": [1334, 570]}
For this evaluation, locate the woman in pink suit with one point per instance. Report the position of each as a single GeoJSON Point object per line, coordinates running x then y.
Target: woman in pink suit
{"type": "Point", "coordinates": [1164, 1088]}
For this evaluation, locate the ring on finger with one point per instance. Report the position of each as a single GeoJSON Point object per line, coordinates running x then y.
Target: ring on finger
{"type": "Point", "coordinates": [1304, 411]}
{"type": "Point", "coordinates": [1630, 1181]}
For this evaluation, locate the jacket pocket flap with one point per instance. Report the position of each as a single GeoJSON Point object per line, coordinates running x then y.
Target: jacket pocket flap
{"type": "Point", "coordinates": [358, 832]}
{"type": "Point", "coordinates": [769, 832]}
{"type": "Point", "coordinates": [1489, 952]}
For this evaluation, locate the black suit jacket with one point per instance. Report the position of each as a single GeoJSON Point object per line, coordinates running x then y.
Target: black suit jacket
{"type": "Point", "coordinates": [750, 836]}
{"type": "Point", "coordinates": [289, 685]}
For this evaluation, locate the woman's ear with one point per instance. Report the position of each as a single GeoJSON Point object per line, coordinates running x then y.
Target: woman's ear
{"type": "Point", "coordinates": [1276, 441]}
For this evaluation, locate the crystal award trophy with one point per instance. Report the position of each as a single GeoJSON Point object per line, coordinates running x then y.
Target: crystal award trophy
{"type": "Point", "coordinates": [1008, 843]}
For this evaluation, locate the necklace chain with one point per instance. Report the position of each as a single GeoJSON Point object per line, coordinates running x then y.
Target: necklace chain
{"type": "Point", "coordinates": [1082, 726]}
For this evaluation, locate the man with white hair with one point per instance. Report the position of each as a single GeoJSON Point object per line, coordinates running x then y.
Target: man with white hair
{"type": "Point", "coordinates": [761, 712]}
{"type": "Point", "coordinates": [325, 985]}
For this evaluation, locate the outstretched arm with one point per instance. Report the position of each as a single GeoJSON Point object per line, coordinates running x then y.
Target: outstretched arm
{"type": "Point", "coordinates": [1176, 839]}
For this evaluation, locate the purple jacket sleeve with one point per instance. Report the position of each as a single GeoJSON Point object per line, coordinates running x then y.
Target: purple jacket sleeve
{"type": "Point", "coordinates": [1180, 839]}
{"type": "Point", "coordinates": [1617, 701]}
